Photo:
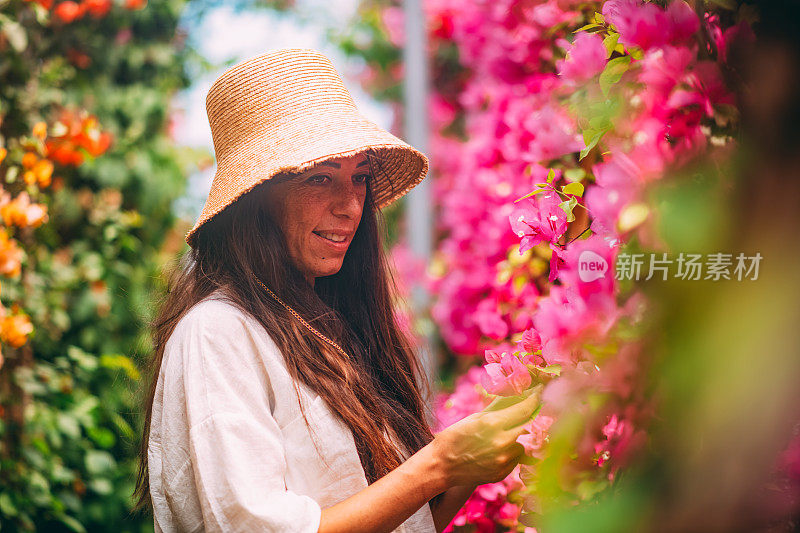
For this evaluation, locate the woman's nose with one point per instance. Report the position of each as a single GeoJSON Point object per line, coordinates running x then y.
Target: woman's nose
{"type": "Point", "coordinates": [348, 200]}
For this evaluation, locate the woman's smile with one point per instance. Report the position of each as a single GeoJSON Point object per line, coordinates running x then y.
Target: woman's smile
{"type": "Point", "coordinates": [337, 241]}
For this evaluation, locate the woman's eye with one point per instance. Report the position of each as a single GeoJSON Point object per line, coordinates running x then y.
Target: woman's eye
{"type": "Point", "coordinates": [319, 178]}
{"type": "Point", "coordinates": [362, 178]}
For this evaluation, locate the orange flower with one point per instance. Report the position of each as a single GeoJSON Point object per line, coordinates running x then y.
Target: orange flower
{"type": "Point", "coordinates": [21, 212]}
{"type": "Point", "coordinates": [135, 4]}
{"type": "Point", "coordinates": [14, 329]}
{"type": "Point", "coordinates": [29, 176]}
{"type": "Point", "coordinates": [44, 172]}
{"type": "Point", "coordinates": [47, 4]}
{"type": "Point", "coordinates": [81, 131]}
{"type": "Point", "coordinates": [68, 11]}
{"type": "Point", "coordinates": [64, 153]}
{"type": "Point", "coordinates": [96, 142]}
{"type": "Point", "coordinates": [3, 153]}
{"type": "Point", "coordinates": [10, 256]}
{"type": "Point", "coordinates": [29, 159]}
{"type": "Point", "coordinates": [40, 130]}
{"type": "Point", "coordinates": [97, 8]}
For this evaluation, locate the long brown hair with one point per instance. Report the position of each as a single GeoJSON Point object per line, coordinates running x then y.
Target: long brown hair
{"type": "Point", "coordinates": [378, 388]}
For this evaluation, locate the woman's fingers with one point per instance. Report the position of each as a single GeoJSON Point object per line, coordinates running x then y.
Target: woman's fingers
{"type": "Point", "coordinates": [518, 449]}
{"type": "Point", "coordinates": [501, 402]}
{"type": "Point", "coordinates": [518, 413]}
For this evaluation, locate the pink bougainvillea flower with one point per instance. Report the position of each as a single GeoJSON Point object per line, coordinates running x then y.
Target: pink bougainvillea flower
{"type": "Point", "coordinates": [539, 220]}
{"type": "Point", "coordinates": [682, 22]}
{"type": "Point", "coordinates": [463, 401]}
{"type": "Point", "coordinates": [393, 20]}
{"type": "Point", "coordinates": [617, 184]}
{"type": "Point", "coordinates": [566, 319]}
{"type": "Point", "coordinates": [706, 80]}
{"type": "Point", "coordinates": [531, 341]}
{"type": "Point", "coordinates": [505, 375]}
{"type": "Point", "coordinates": [789, 460]}
{"type": "Point", "coordinates": [619, 436]}
{"type": "Point", "coordinates": [509, 512]}
{"type": "Point", "coordinates": [490, 320]}
{"type": "Point", "coordinates": [491, 491]}
{"type": "Point", "coordinates": [536, 435]}
{"type": "Point", "coordinates": [647, 25]}
{"type": "Point", "coordinates": [741, 34]}
{"type": "Point", "coordinates": [586, 57]}
{"type": "Point", "coordinates": [662, 69]}
{"type": "Point", "coordinates": [556, 261]}
{"type": "Point", "coordinates": [639, 24]}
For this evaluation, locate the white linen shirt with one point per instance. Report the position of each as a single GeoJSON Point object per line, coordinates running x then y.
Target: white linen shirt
{"type": "Point", "coordinates": [229, 449]}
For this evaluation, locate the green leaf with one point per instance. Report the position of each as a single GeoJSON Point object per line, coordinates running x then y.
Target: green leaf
{"type": "Point", "coordinates": [533, 192]}
{"type": "Point", "coordinates": [610, 42]}
{"type": "Point", "coordinates": [573, 188]}
{"type": "Point", "coordinates": [597, 135]}
{"type": "Point", "coordinates": [574, 174]}
{"type": "Point", "coordinates": [68, 425]}
{"type": "Point", "coordinates": [72, 523]}
{"type": "Point", "coordinates": [501, 402]}
{"type": "Point", "coordinates": [122, 362]}
{"type": "Point", "coordinates": [84, 360]}
{"type": "Point", "coordinates": [103, 437]}
{"type": "Point", "coordinates": [15, 33]}
{"type": "Point", "coordinates": [101, 486]}
{"type": "Point", "coordinates": [7, 506]}
{"type": "Point", "coordinates": [600, 122]}
{"type": "Point", "coordinates": [11, 174]}
{"type": "Point", "coordinates": [613, 72]}
{"type": "Point", "coordinates": [551, 369]}
{"type": "Point", "coordinates": [551, 175]}
{"type": "Point", "coordinates": [568, 206]}
{"type": "Point", "coordinates": [587, 27]}
{"type": "Point", "coordinates": [122, 425]}
{"type": "Point", "coordinates": [99, 462]}
{"type": "Point", "coordinates": [598, 18]}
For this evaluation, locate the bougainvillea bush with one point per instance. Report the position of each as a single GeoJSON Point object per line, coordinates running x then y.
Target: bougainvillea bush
{"type": "Point", "coordinates": [554, 123]}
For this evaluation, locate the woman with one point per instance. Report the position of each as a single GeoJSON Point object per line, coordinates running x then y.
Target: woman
{"type": "Point", "coordinates": [284, 395]}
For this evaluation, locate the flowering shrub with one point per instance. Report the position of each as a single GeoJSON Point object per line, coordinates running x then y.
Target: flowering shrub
{"type": "Point", "coordinates": [593, 103]}
{"type": "Point", "coordinates": [87, 177]}
{"type": "Point", "coordinates": [67, 11]}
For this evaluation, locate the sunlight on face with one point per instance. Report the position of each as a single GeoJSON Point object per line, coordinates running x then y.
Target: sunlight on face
{"type": "Point", "coordinates": [319, 211]}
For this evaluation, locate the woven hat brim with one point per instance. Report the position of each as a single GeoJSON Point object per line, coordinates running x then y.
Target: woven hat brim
{"type": "Point", "coordinates": [399, 166]}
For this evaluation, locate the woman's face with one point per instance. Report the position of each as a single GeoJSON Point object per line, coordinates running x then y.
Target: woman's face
{"type": "Point", "coordinates": [319, 211]}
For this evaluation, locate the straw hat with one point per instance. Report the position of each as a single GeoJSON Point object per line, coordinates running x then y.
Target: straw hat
{"type": "Point", "coordinates": [286, 111]}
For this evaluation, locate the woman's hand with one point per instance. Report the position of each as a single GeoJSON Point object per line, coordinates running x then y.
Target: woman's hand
{"type": "Point", "coordinates": [478, 449]}
{"type": "Point", "coordinates": [482, 447]}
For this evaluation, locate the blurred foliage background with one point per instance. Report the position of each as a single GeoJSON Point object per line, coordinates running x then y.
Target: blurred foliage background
{"type": "Point", "coordinates": [85, 91]}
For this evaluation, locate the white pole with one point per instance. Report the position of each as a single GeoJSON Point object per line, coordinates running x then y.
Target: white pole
{"type": "Point", "coordinates": [419, 211]}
